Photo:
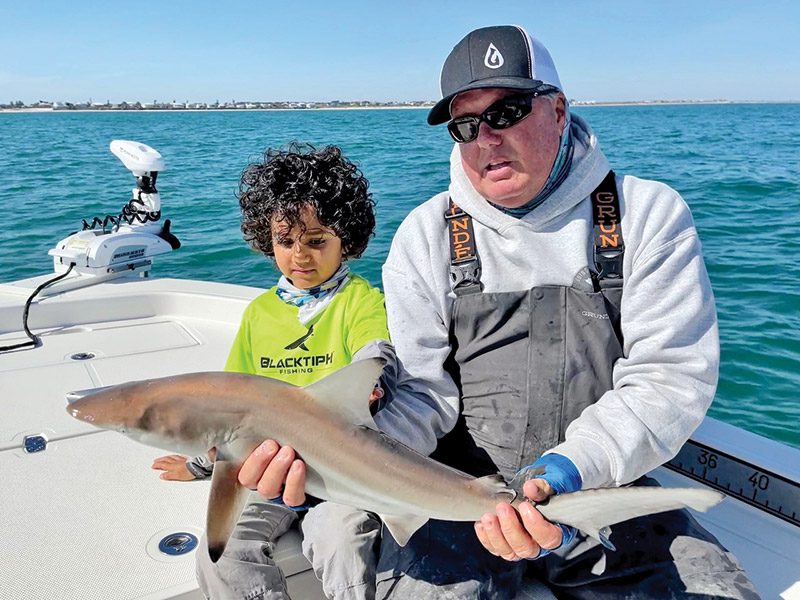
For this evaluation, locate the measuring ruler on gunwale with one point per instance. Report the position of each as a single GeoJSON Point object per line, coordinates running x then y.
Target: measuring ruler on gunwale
{"type": "Point", "coordinates": [740, 479]}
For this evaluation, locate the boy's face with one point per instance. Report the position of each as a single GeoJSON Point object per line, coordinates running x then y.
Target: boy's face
{"type": "Point", "coordinates": [307, 256]}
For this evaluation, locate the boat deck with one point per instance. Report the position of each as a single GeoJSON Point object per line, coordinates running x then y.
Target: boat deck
{"type": "Point", "coordinates": [84, 517]}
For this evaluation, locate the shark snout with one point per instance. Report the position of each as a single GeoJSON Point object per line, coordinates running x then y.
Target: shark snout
{"type": "Point", "coordinates": [75, 409]}
{"type": "Point", "coordinates": [89, 405]}
{"type": "Point", "coordinates": [73, 397]}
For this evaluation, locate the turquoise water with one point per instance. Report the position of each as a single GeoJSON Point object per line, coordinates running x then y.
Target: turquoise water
{"type": "Point", "coordinates": [738, 167]}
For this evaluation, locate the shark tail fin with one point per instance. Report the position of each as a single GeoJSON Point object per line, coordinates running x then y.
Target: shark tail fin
{"type": "Point", "coordinates": [701, 499]}
{"type": "Point", "coordinates": [594, 511]}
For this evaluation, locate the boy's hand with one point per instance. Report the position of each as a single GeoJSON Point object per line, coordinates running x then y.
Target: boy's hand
{"type": "Point", "coordinates": [377, 394]}
{"type": "Point", "coordinates": [174, 467]}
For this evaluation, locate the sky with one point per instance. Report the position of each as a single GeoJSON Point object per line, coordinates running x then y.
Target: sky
{"type": "Point", "coordinates": [314, 50]}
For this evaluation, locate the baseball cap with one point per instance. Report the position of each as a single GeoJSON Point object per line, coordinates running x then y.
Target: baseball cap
{"type": "Point", "coordinates": [502, 56]}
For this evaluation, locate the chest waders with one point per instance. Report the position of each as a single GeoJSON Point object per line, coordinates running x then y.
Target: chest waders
{"type": "Point", "coordinates": [528, 362]}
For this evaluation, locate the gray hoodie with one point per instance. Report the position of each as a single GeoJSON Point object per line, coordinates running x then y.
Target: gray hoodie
{"type": "Point", "coordinates": [667, 377]}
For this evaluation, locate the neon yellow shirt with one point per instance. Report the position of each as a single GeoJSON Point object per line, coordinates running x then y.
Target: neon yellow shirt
{"type": "Point", "coordinates": [272, 341]}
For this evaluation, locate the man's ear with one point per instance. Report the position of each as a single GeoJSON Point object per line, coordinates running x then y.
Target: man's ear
{"type": "Point", "coordinates": [561, 108]}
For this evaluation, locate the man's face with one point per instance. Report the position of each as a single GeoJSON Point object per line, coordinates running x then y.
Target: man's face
{"type": "Point", "coordinates": [510, 166]}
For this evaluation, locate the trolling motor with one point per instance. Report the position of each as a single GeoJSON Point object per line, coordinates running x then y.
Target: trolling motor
{"type": "Point", "coordinates": [116, 245]}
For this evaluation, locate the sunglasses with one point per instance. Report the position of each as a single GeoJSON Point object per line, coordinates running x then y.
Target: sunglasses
{"type": "Point", "coordinates": [502, 114]}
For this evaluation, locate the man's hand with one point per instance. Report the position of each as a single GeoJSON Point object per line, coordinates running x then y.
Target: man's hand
{"type": "Point", "coordinates": [516, 535]}
{"type": "Point", "coordinates": [174, 467]}
{"type": "Point", "coordinates": [274, 471]}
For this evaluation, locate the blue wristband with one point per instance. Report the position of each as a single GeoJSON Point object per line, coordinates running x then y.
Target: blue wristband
{"type": "Point", "coordinates": [279, 501]}
{"type": "Point", "coordinates": [562, 475]}
{"type": "Point", "coordinates": [567, 535]}
{"type": "Point", "coordinates": [560, 472]}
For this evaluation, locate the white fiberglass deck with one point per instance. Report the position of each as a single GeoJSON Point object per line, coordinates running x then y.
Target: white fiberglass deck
{"type": "Point", "coordinates": [82, 519]}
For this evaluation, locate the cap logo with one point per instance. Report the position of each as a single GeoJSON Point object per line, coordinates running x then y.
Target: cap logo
{"type": "Point", "coordinates": [493, 58]}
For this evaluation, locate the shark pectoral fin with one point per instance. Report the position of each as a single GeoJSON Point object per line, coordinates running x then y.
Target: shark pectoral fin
{"type": "Point", "coordinates": [346, 391]}
{"type": "Point", "coordinates": [225, 503]}
{"type": "Point", "coordinates": [403, 527]}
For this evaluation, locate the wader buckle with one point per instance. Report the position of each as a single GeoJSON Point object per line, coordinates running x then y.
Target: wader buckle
{"type": "Point", "coordinates": [609, 263]}
{"type": "Point", "coordinates": [466, 273]}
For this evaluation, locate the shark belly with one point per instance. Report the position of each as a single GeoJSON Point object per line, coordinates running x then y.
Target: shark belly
{"type": "Point", "coordinates": [372, 472]}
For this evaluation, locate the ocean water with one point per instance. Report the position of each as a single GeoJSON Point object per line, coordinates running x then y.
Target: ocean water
{"type": "Point", "coordinates": [737, 166]}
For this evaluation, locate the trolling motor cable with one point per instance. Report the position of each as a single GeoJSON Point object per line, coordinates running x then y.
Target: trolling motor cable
{"type": "Point", "coordinates": [129, 214]}
{"type": "Point", "coordinates": [35, 340]}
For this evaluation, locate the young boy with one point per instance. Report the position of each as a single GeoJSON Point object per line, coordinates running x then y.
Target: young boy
{"type": "Point", "coordinates": [311, 211]}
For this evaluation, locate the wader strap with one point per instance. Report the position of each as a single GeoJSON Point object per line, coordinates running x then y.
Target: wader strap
{"type": "Point", "coordinates": [609, 248]}
{"type": "Point", "coordinates": [608, 245]}
{"type": "Point", "coordinates": [465, 266]}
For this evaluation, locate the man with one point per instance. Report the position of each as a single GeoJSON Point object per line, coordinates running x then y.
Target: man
{"type": "Point", "coordinates": [548, 314]}
{"type": "Point", "coordinates": [550, 309]}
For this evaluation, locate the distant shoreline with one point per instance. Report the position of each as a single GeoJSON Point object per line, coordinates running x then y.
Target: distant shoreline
{"type": "Point", "coordinates": [573, 103]}
{"type": "Point", "coordinates": [657, 102]}
{"type": "Point", "coordinates": [199, 110]}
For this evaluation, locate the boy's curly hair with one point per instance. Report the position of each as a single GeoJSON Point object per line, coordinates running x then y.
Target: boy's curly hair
{"type": "Point", "coordinates": [287, 180]}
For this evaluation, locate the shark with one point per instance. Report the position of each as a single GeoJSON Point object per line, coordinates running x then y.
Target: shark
{"type": "Point", "coordinates": [348, 459]}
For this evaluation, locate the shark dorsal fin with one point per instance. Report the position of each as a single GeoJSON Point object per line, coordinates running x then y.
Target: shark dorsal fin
{"type": "Point", "coordinates": [346, 391]}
